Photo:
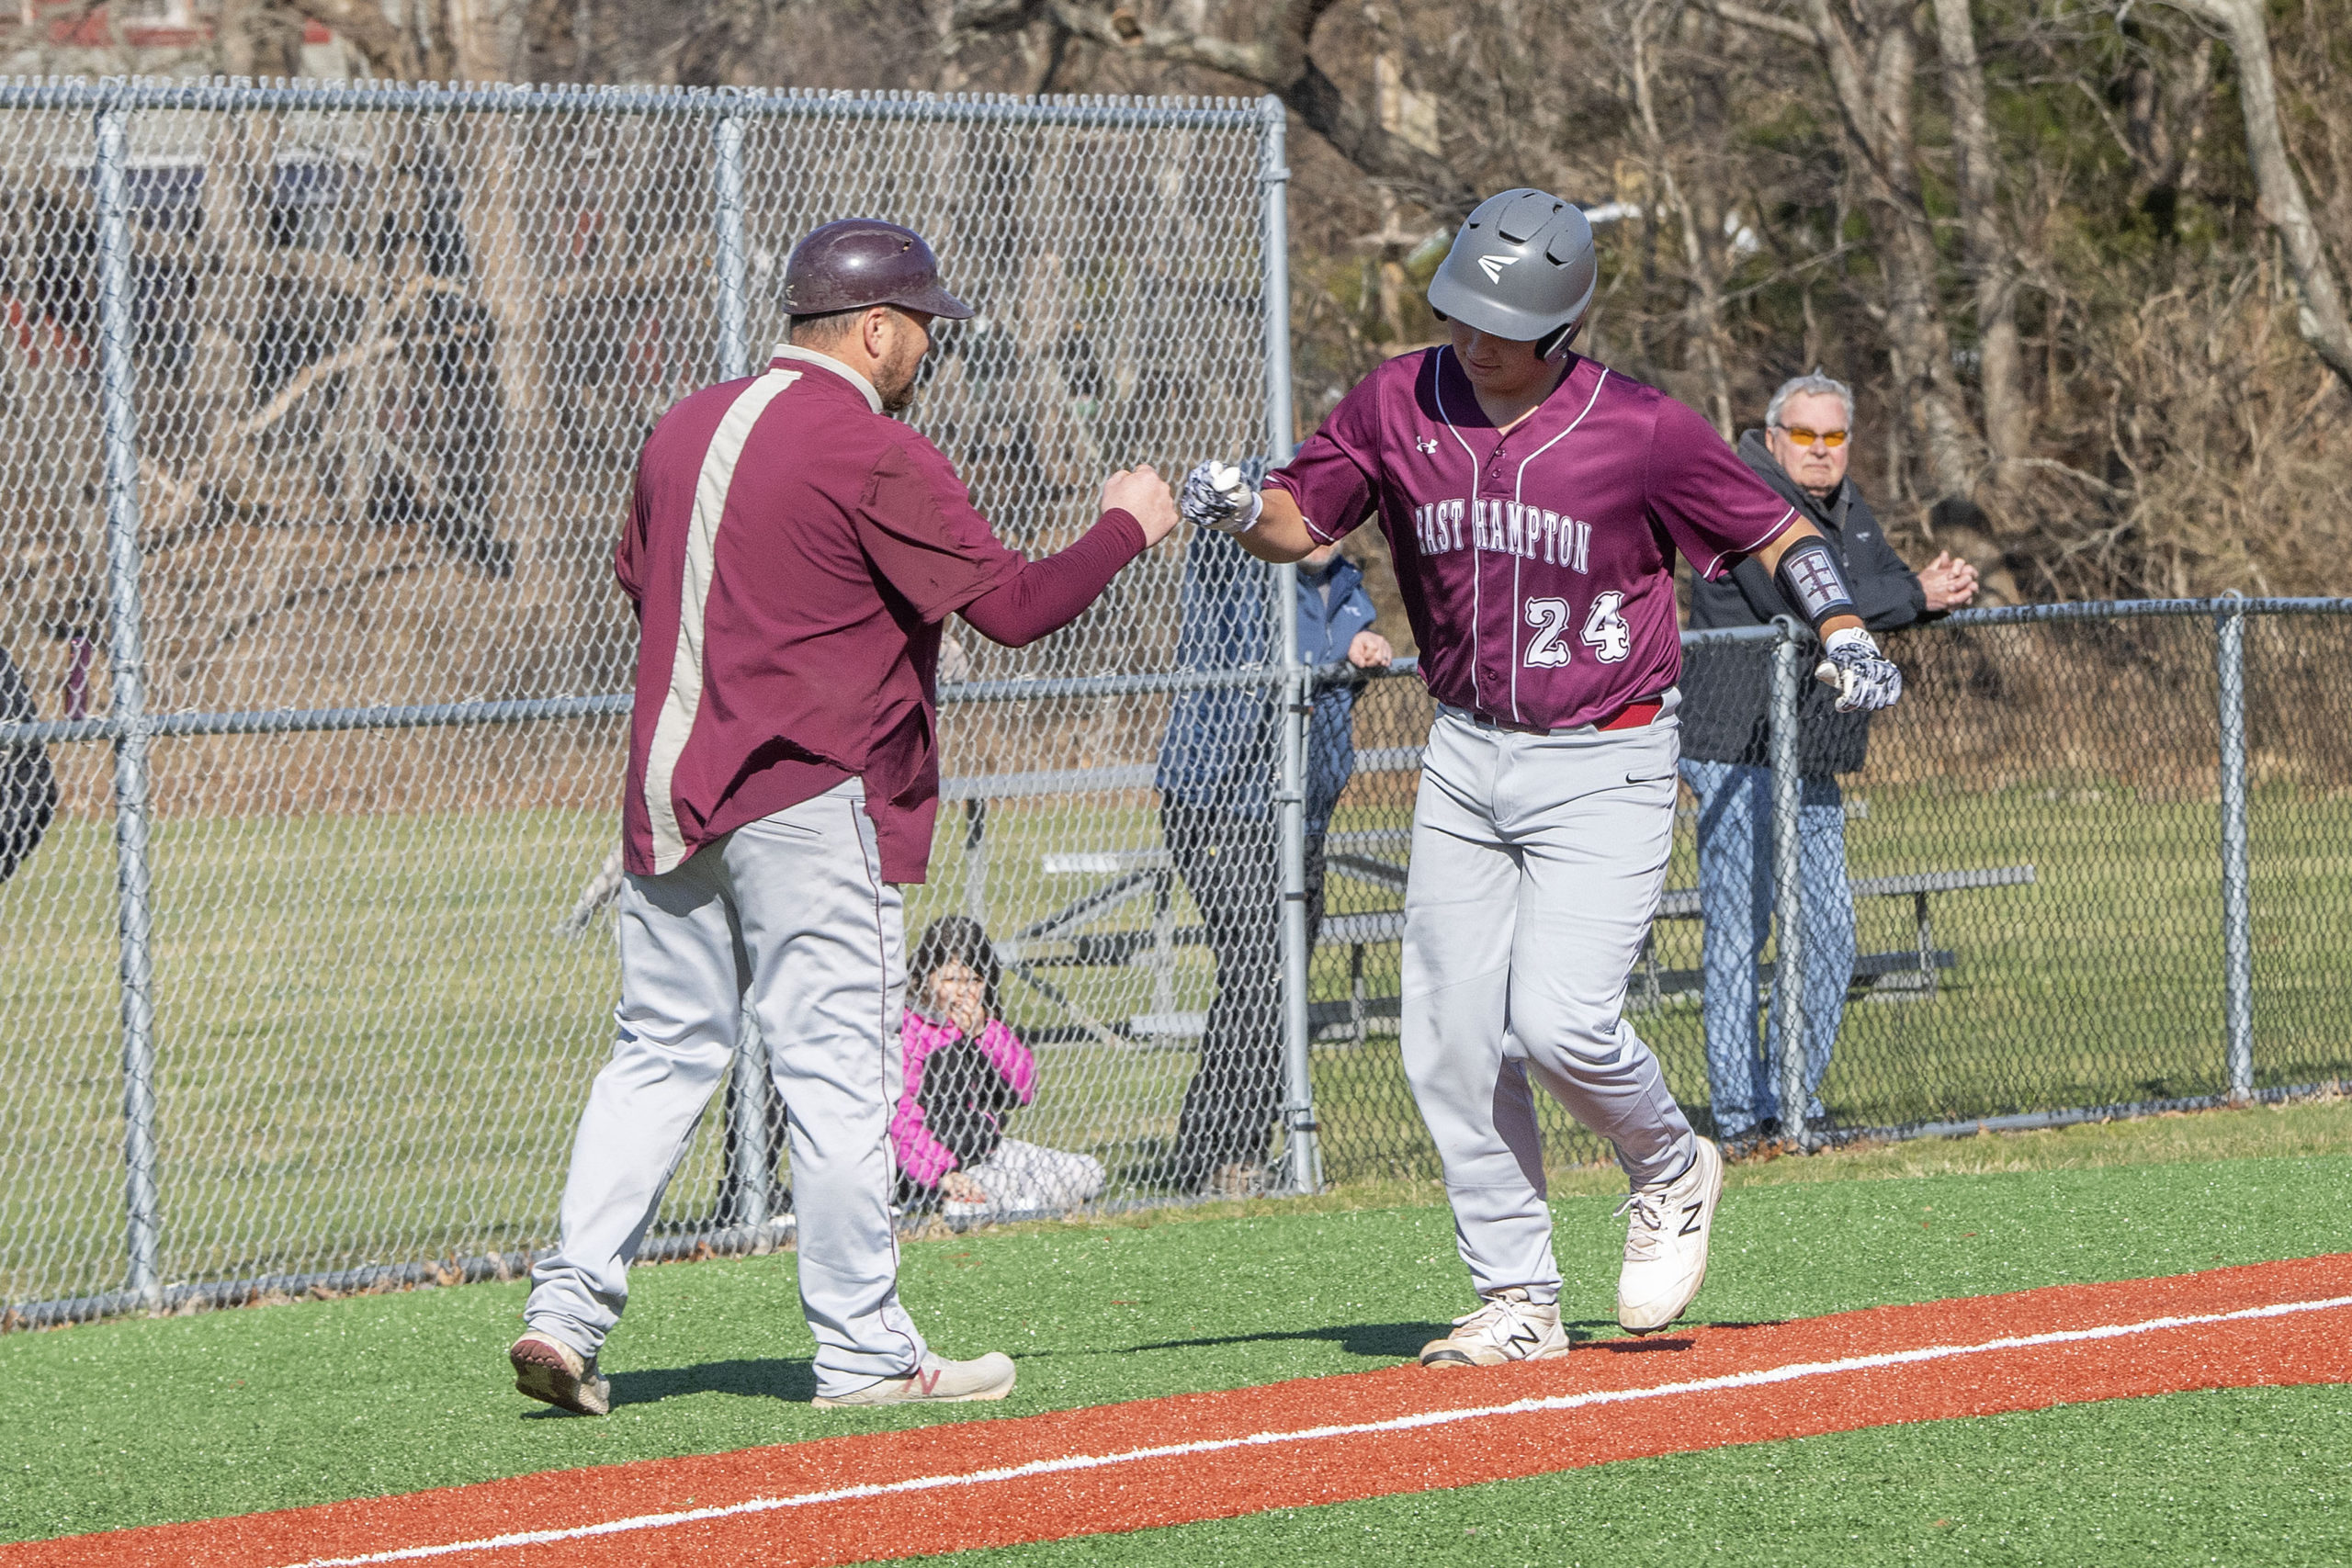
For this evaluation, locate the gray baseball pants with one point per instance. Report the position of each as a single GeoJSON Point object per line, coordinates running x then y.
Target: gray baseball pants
{"type": "Point", "coordinates": [1537, 865]}
{"type": "Point", "coordinates": [790, 916]}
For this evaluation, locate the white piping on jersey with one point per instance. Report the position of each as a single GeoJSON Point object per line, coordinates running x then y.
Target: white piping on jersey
{"type": "Point", "coordinates": [684, 699]}
{"type": "Point", "coordinates": [1436, 395]}
{"type": "Point", "coordinates": [1519, 497]}
{"type": "Point", "coordinates": [1762, 540]}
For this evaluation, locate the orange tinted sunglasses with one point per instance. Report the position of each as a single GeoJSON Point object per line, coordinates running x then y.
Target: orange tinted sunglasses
{"type": "Point", "coordinates": [1833, 439]}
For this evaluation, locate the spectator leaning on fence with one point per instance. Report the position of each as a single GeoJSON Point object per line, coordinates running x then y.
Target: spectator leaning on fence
{"type": "Point", "coordinates": [1217, 776]}
{"type": "Point", "coordinates": [1802, 452]}
{"type": "Point", "coordinates": [791, 553]}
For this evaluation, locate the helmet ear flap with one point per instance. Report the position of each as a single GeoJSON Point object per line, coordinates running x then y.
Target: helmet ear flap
{"type": "Point", "coordinates": [1554, 344]}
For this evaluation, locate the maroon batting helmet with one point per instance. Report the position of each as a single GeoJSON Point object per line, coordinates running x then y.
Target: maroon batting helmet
{"type": "Point", "coordinates": [859, 262]}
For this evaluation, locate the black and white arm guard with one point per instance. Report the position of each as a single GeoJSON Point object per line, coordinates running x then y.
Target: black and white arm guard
{"type": "Point", "coordinates": [1809, 578]}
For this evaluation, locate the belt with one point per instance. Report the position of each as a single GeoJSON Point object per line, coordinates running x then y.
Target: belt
{"type": "Point", "coordinates": [1632, 716]}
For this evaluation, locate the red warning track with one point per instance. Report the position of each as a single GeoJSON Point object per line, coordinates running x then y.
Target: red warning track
{"type": "Point", "coordinates": [1165, 1461]}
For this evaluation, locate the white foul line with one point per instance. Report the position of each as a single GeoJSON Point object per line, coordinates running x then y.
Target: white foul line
{"type": "Point", "coordinates": [1789, 1373]}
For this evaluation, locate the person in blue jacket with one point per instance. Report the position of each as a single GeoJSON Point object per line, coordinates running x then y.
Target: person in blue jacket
{"type": "Point", "coordinates": [1218, 768]}
{"type": "Point", "coordinates": [1335, 616]}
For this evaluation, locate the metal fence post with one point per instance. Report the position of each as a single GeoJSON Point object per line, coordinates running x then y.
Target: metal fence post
{"type": "Point", "coordinates": [734, 333]}
{"type": "Point", "coordinates": [117, 341]}
{"type": "Point", "coordinates": [2237, 915]}
{"type": "Point", "coordinates": [743, 1200]}
{"type": "Point", "coordinates": [1788, 797]}
{"type": "Point", "coordinates": [1301, 1151]}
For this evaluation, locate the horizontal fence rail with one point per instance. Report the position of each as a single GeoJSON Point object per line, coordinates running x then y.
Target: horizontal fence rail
{"type": "Point", "coordinates": [526, 98]}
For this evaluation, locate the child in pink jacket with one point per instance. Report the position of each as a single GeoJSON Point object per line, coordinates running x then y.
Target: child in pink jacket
{"type": "Point", "coordinates": [966, 1072]}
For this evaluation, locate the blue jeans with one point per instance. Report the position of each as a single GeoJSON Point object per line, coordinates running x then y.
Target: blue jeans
{"type": "Point", "coordinates": [1736, 900]}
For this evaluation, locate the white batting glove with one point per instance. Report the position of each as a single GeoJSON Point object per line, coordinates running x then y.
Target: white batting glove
{"type": "Point", "coordinates": [1219, 496]}
{"type": "Point", "coordinates": [1866, 679]}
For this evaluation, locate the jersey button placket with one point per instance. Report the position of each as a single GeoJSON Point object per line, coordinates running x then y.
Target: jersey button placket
{"type": "Point", "coordinates": [1499, 640]}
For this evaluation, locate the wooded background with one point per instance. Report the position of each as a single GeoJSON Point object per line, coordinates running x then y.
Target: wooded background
{"type": "Point", "coordinates": [2083, 260]}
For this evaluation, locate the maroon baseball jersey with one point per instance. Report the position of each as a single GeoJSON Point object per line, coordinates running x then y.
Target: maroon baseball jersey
{"type": "Point", "coordinates": [791, 552]}
{"type": "Point", "coordinates": [1536, 565]}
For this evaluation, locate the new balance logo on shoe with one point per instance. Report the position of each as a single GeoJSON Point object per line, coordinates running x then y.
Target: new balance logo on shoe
{"type": "Point", "coordinates": [1508, 1327]}
{"type": "Point", "coordinates": [989, 1377]}
{"type": "Point", "coordinates": [1666, 1243]}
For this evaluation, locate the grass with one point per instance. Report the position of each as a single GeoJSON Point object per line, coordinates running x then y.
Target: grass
{"type": "Point", "coordinates": [277, 1407]}
{"type": "Point", "coordinates": [372, 1046]}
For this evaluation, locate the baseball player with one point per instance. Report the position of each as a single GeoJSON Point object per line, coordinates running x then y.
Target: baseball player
{"type": "Point", "coordinates": [791, 553]}
{"type": "Point", "coordinates": [1532, 499]}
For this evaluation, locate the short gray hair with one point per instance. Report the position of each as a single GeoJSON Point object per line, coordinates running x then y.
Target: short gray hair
{"type": "Point", "coordinates": [1815, 385]}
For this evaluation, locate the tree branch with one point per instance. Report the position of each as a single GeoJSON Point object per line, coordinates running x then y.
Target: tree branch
{"type": "Point", "coordinates": [1764, 21]}
{"type": "Point", "coordinates": [364, 26]}
{"type": "Point", "coordinates": [2322, 321]}
{"type": "Point", "coordinates": [1276, 58]}
{"type": "Point", "coordinates": [2095, 483]}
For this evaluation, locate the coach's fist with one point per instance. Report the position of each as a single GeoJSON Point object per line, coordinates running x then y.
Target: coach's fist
{"type": "Point", "coordinates": [1143, 494]}
{"type": "Point", "coordinates": [1866, 679]}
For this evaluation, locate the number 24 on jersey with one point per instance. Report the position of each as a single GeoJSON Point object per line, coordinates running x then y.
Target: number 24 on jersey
{"type": "Point", "coordinates": [1604, 632]}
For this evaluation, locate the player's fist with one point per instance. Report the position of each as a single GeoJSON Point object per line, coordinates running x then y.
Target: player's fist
{"type": "Point", "coordinates": [1143, 494]}
{"type": "Point", "coordinates": [1866, 679]}
{"type": "Point", "coordinates": [1220, 496]}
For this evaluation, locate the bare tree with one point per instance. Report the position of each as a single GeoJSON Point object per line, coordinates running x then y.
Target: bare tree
{"type": "Point", "coordinates": [1869, 53]}
{"type": "Point", "coordinates": [1993, 272]}
{"type": "Point", "coordinates": [1703, 310]}
{"type": "Point", "coordinates": [2321, 320]}
{"type": "Point", "coordinates": [1274, 53]}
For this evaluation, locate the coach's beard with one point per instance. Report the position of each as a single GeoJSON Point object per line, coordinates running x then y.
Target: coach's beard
{"type": "Point", "coordinates": [897, 376]}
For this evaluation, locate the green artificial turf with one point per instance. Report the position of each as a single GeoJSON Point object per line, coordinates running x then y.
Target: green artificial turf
{"type": "Point", "coordinates": [2239, 1476]}
{"type": "Point", "coordinates": [148, 1420]}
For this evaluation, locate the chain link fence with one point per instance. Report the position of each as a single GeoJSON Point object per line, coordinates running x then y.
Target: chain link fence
{"type": "Point", "coordinates": [2092, 866]}
{"type": "Point", "coordinates": [318, 409]}
{"type": "Point", "coordinates": [317, 413]}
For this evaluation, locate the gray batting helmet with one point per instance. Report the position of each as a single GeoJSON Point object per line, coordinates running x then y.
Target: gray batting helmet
{"type": "Point", "coordinates": [1523, 267]}
{"type": "Point", "coordinates": [863, 261]}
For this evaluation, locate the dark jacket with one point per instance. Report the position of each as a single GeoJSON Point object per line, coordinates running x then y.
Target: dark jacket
{"type": "Point", "coordinates": [1220, 751]}
{"type": "Point", "coordinates": [28, 784]}
{"type": "Point", "coordinates": [1726, 692]}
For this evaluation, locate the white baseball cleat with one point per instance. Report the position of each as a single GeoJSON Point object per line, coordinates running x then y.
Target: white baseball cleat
{"type": "Point", "coordinates": [1509, 1327]}
{"type": "Point", "coordinates": [553, 1373]}
{"type": "Point", "coordinates": [937, 1382]}
{"type": "Point", "coordinates": [1666, 1243]}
